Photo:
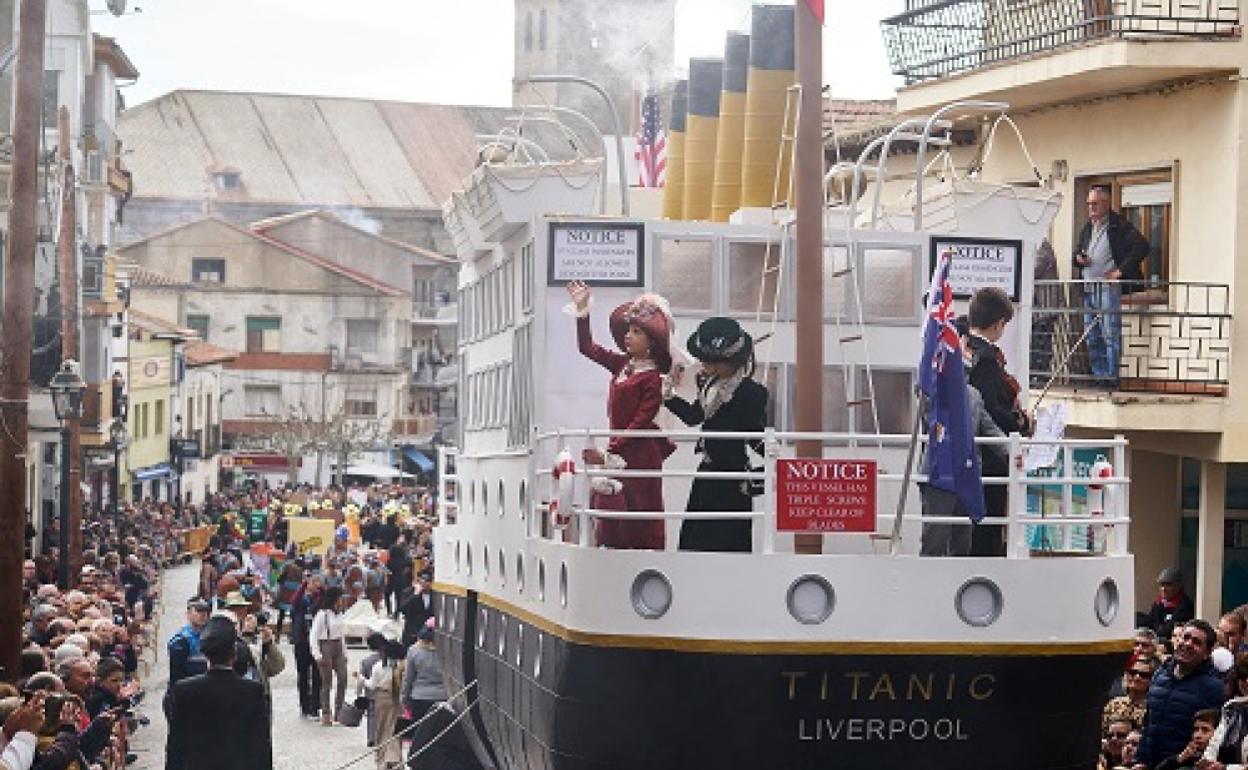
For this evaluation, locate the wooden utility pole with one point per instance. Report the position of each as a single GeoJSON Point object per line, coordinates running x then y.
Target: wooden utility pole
{"type": "Point", "coordinates": [15, 326]}
{"type": "Point", "coordinates": [808, 189]}
{"type": "Point", "coordinates": [67, 253]}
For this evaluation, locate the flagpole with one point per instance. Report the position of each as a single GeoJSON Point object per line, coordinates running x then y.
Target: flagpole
{"type": "Point", "coordinates": [894, 541]}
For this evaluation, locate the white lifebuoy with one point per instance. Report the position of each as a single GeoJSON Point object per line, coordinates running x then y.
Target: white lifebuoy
{"type": "Point", "coordinates": [565, 479]}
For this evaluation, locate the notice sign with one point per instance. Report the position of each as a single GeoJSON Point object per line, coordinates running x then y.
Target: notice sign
{"type": "Point", "coordinates": [598, 253]}
{"type": "Point", "coordinates": [981, 262]}
{"type": "Point", "coordinates": [825, 495]}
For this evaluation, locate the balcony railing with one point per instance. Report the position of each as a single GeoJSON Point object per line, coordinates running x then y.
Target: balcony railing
{"type": "Point", "coordinates": [1173, 337]}
{"type": "Point", "coordinates": [934, 38]}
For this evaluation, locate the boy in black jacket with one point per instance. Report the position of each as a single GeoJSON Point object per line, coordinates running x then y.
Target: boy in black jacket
{"type": "Point", "coordinates": [990, 312]}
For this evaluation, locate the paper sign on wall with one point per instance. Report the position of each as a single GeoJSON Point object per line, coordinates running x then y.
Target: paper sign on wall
{"type": "Point", "coordinates": [598, 253]}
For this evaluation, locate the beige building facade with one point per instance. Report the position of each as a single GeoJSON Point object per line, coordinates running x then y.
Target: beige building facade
{"type": "Point", "coordinates": [1160, 115]}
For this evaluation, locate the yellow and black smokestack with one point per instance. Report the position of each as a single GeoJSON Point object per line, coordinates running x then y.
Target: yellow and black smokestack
{"type": "Point", "coordinates": [706, 77]}
{"type": "Point", "coordinates": [771, 73]}
{"type": "Point", "coordinates": [726, 193]}
{"type": "Point", "coordinates": [674, 189]}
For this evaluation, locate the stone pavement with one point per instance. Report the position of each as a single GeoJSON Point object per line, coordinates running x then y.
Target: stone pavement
{"type": "Point", "coordinates": [298, 744]}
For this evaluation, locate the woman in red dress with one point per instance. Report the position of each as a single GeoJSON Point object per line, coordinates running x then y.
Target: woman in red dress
{"type": "Point", "coordinates": [642, 329]}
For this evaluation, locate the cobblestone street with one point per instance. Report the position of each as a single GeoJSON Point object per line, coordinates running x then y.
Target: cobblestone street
{"type": "Point", "coordinates": [298, 744]}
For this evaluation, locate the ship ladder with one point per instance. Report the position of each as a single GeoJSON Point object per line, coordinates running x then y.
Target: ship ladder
{"type": "Point", "coordinates": [774, 253]}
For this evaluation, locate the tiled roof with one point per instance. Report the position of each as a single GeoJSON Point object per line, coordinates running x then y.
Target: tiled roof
{"type": "Point", "coordinates": [848, 119]}
{"type": "Point", "coordinates": [142, 277]}
{"type": "Point", "coordinates": [265, 225]}
{"type": "Point", "coordinates": [316, 151]}
{"type": "Point", "coordinates": [200, 353]}
{"type": "Point", "coordinates": [156, 325]}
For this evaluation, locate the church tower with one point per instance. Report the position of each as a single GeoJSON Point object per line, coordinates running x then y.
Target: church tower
{"type": "Point", "coordinates": [626, 46]}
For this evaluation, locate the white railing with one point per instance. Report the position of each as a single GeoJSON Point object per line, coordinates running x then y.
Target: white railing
{"type": "Point", "coordinates": [1102, 533]}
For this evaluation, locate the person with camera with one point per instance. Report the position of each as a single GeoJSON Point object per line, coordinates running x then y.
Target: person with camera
{"type": "Point", "coordinates": [267, 658]}
{"type": "Point", "coordinates": [19, 736]}
{"type": "Point", "coordinates": [207, 709]}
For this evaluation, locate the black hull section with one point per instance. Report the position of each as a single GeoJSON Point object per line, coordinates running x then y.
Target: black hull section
{"type": "Point", "coordinates": [549, 704]}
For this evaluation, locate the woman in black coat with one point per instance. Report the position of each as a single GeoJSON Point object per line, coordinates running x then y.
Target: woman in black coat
{"type": "Point", "coordinates": [729, 400]}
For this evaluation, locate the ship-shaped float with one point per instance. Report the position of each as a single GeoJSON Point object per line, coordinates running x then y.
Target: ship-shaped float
{"type": "Point", "coordinates": [570, 655]}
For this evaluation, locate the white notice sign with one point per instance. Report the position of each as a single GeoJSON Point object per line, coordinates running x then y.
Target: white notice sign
{"type": "Point", "coordinates": [599, 253]}
{"type": "Point", "coordinates": [981, 262]}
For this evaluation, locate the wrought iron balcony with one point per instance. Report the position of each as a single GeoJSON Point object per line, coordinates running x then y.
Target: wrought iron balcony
{"type": "Point", "coordinates": [1174, 337]}
{"type": "Point", "coordinates": [934, 38]}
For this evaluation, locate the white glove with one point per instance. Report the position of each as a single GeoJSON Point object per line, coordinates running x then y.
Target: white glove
{"type": "Point", "coordinates": [605, 486]}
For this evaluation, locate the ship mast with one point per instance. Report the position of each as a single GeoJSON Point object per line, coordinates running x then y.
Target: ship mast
{"type": "Point", "coordinates": [808, 191]}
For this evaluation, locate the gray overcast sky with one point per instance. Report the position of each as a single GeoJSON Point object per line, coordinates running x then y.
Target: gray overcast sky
{"type": "Point", "coordinates": [451, 51]}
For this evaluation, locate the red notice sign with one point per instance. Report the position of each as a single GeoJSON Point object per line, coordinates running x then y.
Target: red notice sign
{"type": "Point", "coordinates": [825, 495]}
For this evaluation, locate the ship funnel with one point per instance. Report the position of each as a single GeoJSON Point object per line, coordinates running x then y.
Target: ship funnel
{"type": "Point", "coordinates": [771, 73]}
{"type": "Point", "coordinates": [674, 189]}
{"type": "Point", "coordinates": [726, 193]}
{"type": "Point", "coordinates": [706, 77]}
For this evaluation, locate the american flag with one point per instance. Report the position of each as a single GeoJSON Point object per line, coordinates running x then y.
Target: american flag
{"type": "Point", "coordinates": [651, 151]}
{"type": "Point", "coordinates": [953, 460]}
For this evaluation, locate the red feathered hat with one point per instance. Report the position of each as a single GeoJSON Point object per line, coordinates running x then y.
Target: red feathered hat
{"type": "Point", "coordinates": [650, 312]}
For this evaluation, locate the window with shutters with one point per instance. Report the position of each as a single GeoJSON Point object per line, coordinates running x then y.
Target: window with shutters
{"type": "Point", "coordinates": [264, 334]}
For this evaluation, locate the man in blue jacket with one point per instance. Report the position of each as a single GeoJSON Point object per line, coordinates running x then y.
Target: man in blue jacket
{"type": "Point", "coordinates": [1185, 684]}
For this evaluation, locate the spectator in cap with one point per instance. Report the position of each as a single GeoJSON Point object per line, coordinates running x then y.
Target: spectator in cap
{"type": "Point", "coordinates": [185, 658]}
{"type": "Point", "coordinates": [1173, 607]}
{"type": "Point", "coordinates": [204, 709]}
{"type": "Point", "coordinates": [423, 687]}
{"type": "Point", "coordinates": [729, 399]}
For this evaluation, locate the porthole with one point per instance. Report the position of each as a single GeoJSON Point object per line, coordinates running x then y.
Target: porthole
{"type": "Point", "coordinates": [563, 584]}
{"type": "Point", "coordinates": [520, 572]}
{"type": "Point", "coordinates": [472, 498]}
{"type": "Point", "coordinates": [502, 499]}
{"type": "Point", "coordinates": [1107, 602]}
{"type": "Point", "coordinates": [484, 621]}
{"type": "Point", "coordinates": [979, 602]}
{"type": "Point", "coordinates": [811, 599]}
{"type": "Point", "coordinates": [485, 499]}
{"type": "Point", "coordinates": [541, 580]}
{"type": "Point", "coordinates": [524, 500]}
{"type": "Point", "coordinates": [468, 559]}
{"type": "Point", "coordinates": [454, 615]}
{"type": "Point", "coordinates": [502, 568]}
{"type": "Point", "coordinates": [537, 656]}
{"type": "Point", "coordinates": [457, 556]}
{"type": "Point", "coordinates": [651, 594]}
{"type": "Point", "coordinates": [485, 561]}
{"type": "Point", "coordinates": [502, 636]}
{"type": "Point", "coordinates": [519, 645]}
{"type": "Point", "coordinates": [442, 610]}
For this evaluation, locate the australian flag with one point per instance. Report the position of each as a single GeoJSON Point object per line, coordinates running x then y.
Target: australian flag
{"type": "Point", "coordinates": [952, 460]}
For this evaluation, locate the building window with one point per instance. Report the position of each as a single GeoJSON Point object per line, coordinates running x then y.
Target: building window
{"type": "Point", "coordinates": [227, 180]}
{"type": "Point", "coordinates": [200, 324]}
{"type": "Point", "coordinates": [361, 401]}
{"type": "Point", "coordinates": [541, 31]}
{"type": "Point", "coordinates": [208, 270]}
{"type": "Point", "coordinates": [264, 334]}
{"type": "Point", "coordinates": [262, 400]}
{"type": "Point", "coordinates": [159, 426]}
{"type": "Point", "coordinates": [51, 97]}
{"type": "Point", "coordinates": [528, 32]}
{"type": "Point", "coordinates": [1146, 199]}
{"type": "Point", "coordinates": [362, 335]}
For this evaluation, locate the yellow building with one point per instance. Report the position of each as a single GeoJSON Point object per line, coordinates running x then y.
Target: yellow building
{"type": "Point", "coordinates": [153, 373]}
{"type": "Point", "coordinates": [1154, 106]}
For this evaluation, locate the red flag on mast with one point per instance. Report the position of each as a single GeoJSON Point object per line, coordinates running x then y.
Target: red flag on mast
{"type": "Point", "coordinates": [816, 7]}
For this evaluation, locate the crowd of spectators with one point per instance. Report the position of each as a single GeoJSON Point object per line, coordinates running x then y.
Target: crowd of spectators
{"type": "Point", "coordinates": [1183, 698]}
{"type": "Point", "coordinates": [80, 684]}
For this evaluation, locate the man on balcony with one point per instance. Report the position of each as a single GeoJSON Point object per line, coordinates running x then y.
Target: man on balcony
{"type": "Point", "coordinates": [1109, 252]}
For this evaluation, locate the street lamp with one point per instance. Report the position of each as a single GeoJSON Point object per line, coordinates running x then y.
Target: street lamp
{"type": "Point", "coordinates": [67, 388]}
{"type": "Point", "coordinates": [118, 437]}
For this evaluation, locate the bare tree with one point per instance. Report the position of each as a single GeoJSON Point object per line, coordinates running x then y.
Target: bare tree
{"type": "Point", "coordinates": [297, 433]}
